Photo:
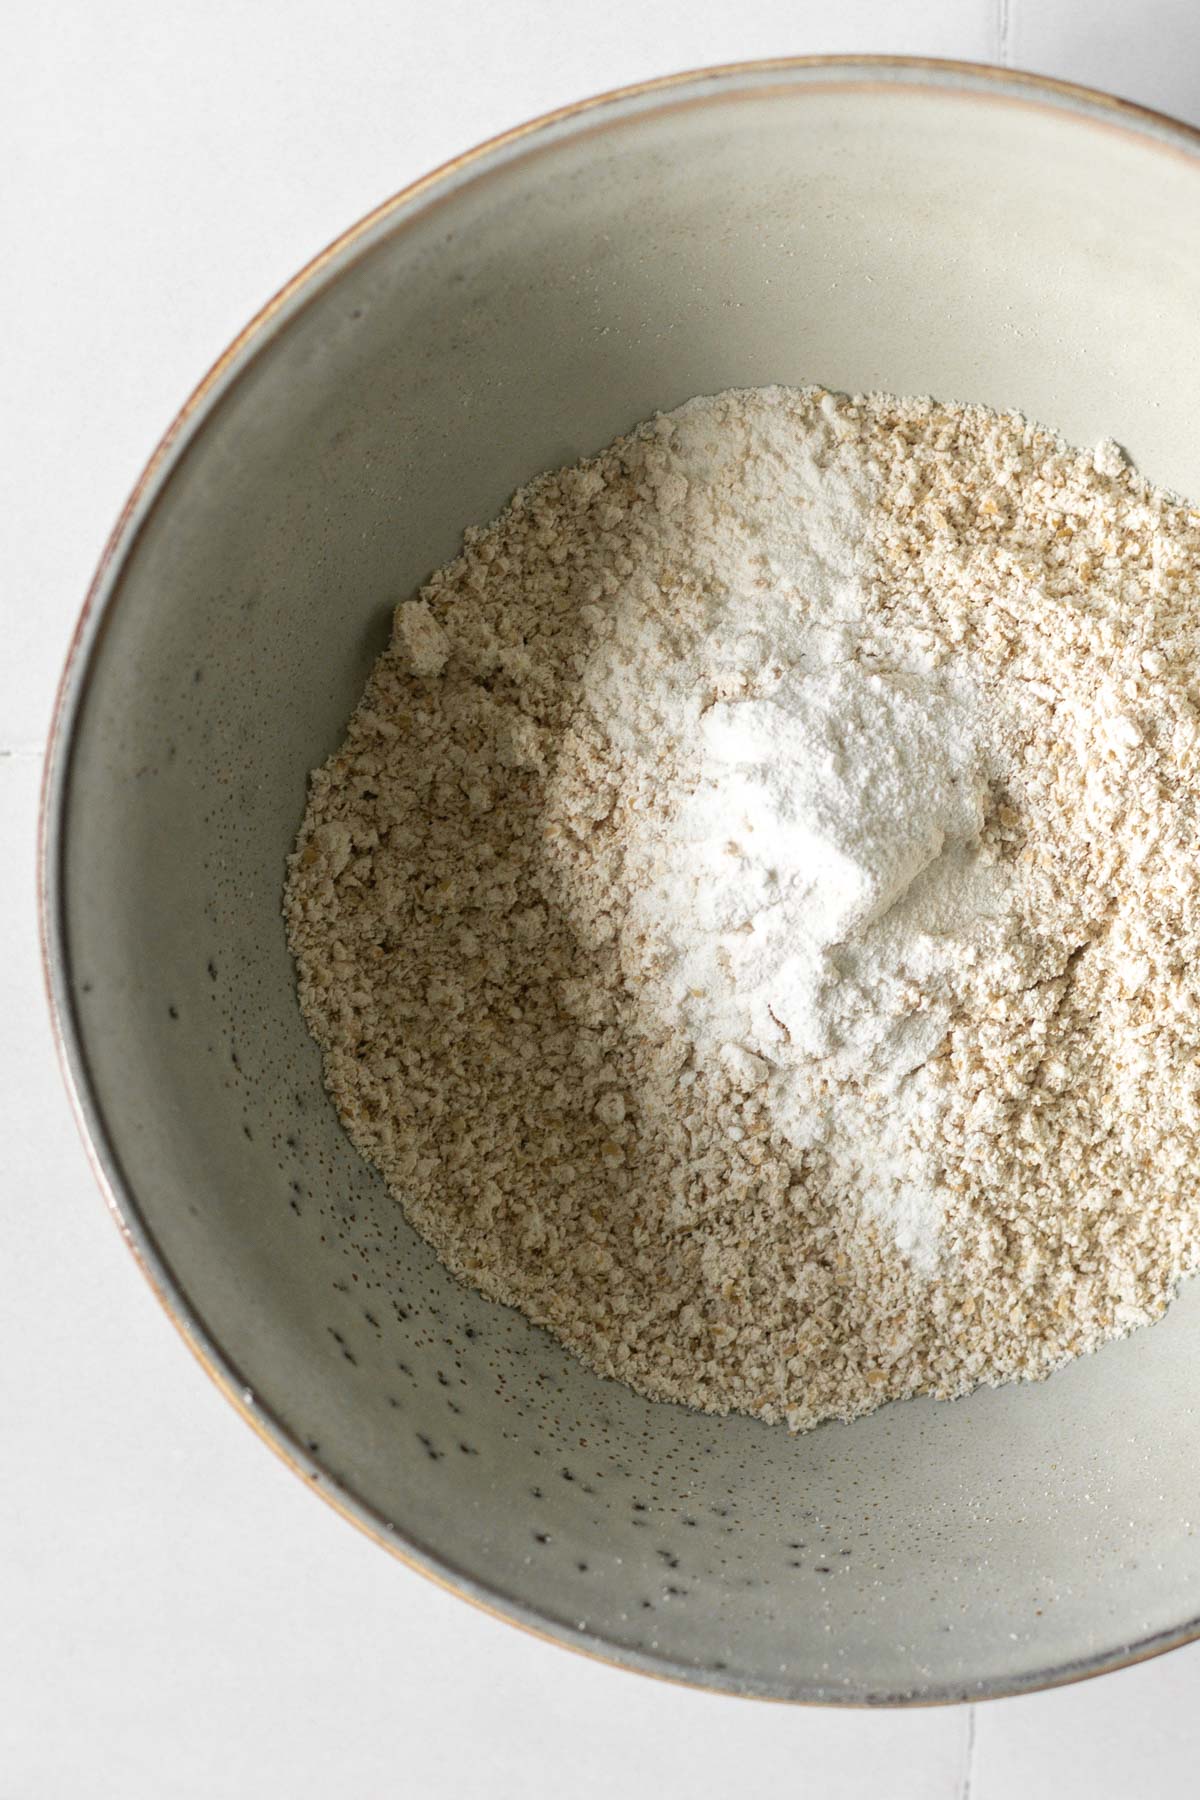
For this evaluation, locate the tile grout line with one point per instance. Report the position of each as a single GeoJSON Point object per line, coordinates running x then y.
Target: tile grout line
{"type": "Point", "coordinates": [14, 751]}
{"type": "Point", "coordinates": [1004, 9]}
{"type": "Point", "coordinates": [968, 1774]}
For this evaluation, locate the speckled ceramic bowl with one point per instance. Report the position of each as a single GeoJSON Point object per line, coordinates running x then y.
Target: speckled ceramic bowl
{"type": "Point", "coordinates": [919, 227]}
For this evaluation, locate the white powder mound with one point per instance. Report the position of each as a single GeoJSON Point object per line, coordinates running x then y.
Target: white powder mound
{"type": "Point", "coordinates": [812, 794]}
{"type": "Point", "coordinates": [754, 920]}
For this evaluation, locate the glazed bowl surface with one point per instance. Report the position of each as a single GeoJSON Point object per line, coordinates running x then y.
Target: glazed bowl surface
{"type": "Point", "coordinates": [867, 224]}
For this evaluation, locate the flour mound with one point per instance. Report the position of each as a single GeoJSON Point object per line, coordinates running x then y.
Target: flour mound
{"type": "Point", "coordinates": [752, 920]}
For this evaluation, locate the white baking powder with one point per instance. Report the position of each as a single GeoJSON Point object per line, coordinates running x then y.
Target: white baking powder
{"type": "Point", "coordinates": [811, 878]}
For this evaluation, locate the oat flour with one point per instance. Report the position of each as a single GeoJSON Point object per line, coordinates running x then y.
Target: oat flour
{"type": "Point", "coordinates": [752, 921]}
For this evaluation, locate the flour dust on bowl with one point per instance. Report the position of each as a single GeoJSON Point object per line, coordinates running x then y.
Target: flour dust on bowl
{"type": "Point", "coordinates": [874, 225]}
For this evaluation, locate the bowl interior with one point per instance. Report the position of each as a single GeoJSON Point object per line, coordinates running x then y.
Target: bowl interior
{"type": "Point", "coordinates": [914, 230]}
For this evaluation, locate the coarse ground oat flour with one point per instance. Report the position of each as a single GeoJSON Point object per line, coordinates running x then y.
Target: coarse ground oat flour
{"type": "Point", "coordinates": [752, 922]}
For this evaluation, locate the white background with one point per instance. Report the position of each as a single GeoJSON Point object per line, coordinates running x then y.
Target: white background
{"type": "Point", "coordinates": [178, 1617]}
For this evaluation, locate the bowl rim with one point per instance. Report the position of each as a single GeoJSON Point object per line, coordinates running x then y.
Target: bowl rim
{"type": "Point", "coordinates": [706, 85]}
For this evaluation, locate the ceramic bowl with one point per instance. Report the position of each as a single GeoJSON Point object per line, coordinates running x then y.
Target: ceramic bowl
{"type": "Point", "coordinates": [918, 227]}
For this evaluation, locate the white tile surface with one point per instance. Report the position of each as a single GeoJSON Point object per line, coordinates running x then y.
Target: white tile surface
{"type": "Point", "coordinates": [1148, 51]}
{"type": "Point", "coordinates": [178, 1618]}
{"type": "Point", "coordinates": [1130, 1735]}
